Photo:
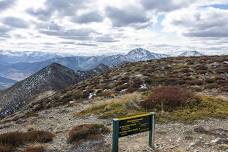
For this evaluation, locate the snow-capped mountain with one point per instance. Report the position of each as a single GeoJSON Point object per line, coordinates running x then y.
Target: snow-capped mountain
{"type": "Point", "coordinates": [191, 53]}
{"type": "Point", "coordinates": [140, 54]}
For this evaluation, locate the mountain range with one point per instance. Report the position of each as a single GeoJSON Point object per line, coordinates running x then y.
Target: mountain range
{"type": "Point", "coordinates": [5, 83]}
{"type": "Point", "coordinates": [20, 65]}
{"type": "Point", "coordinates": [191, 53]}
{"type": "Point", "coordinates": [53, 77]}
{"type": "Point", "coordinates": [24, 67]}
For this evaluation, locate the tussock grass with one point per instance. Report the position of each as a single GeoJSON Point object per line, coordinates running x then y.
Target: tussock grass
{"type": "Point", "coordinates": [120, 106]}
{"type": "Point", "coordinates": [86, 131]}
{"type": "Point", "coordinates": [209, 107]}
{"type": "Point", "coordinates": [11, 140]}
{"type": "Point", "coordinates": [129, 104]}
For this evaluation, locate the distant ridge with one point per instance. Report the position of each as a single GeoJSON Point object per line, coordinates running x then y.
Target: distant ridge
{"type": "Point", "coordinates": [5, 83]}
{"type": "Point", "coordinates": [191, 53]}
{"type": "Point", "coordinates": [21, 70]}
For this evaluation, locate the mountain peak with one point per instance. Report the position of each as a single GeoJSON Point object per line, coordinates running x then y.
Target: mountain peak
{"type": "Point", "coordinates": [191, 53]}
{"type": "Point", "coordinates": [139, 51]}
{"type": "Point", "coordinates": [140, 54]}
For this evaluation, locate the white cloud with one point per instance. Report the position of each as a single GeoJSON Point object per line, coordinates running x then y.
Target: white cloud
{"type": "Point", "coordinates": [107, 26]}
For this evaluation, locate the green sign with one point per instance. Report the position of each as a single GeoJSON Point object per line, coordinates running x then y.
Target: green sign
{"type": "Point", "coordinates": [132, 125]}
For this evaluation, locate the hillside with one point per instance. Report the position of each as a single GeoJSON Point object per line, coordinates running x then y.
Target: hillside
{"type": "Point", "coordinates": [200, 125]}
{"type": "Point", "coordinates": [201, 74]}
{"type": "Point", "coordinates": [198, 73]}
{"type": "Point", "coordinates": [52, 77]}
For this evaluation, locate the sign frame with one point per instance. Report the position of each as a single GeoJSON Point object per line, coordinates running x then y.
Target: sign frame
{"type": "Point", "coordinates": [141, 118]}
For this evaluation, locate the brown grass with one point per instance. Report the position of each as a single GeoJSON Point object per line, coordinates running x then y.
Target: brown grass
{"type": "Point", "coordinates": [123, 105]}
{"type": "Point", "coordinates": [86, 131]}
{"type": "Point", "coordinates": [12, 140]}
{"type": "Point", "coordinates": [168, 98]}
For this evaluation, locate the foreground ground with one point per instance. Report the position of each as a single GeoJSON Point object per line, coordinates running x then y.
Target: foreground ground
{"type": "Point", "coordinates": [209, 135]}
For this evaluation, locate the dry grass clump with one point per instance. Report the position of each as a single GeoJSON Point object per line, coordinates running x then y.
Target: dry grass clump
{"type": "Point", "coordinates": [17, 138]}
{"type": "Point", "coordinates": [86, 131]}
{"type": "Point", "coordinates": [120, 106]}
{"type": "Point", "coordinates": [168, 98]}
{"type": "Point", "coordinates": [39, 136]}
{"type": "Point", "coordinates": [35, 148]}
{"type": "Point", "coordinates": [12, 140]}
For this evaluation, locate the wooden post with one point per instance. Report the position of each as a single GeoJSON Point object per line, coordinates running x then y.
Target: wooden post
{"type": "Point", "coordinates": [151, 131]}
{"type": "Point", "coordinates": [115, 135]}
{"type": "Point", "coordinates": [153, 128]}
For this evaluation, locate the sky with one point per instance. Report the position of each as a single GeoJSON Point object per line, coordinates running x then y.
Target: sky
{"type": "Point", "coordinates": [93, 27]}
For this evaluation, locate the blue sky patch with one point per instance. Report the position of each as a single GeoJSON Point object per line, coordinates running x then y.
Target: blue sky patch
{"type": "Point", "coordinates": [223, 6]}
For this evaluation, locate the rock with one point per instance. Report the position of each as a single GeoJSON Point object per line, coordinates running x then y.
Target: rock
{"type": "Point", "coordinates": [215, 140]}
{"type": "Point", "coordinates": [201, 130]}
{"type": "Point", "coordinates": [71, 102]}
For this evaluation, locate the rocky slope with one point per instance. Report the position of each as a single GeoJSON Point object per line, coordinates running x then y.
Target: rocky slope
{"type": "Point", "coordinates": [52, 77]}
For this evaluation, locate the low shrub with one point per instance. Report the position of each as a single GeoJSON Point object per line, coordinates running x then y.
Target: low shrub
{"type": "Point", "coordinates": [39, 136]}
{"type": "Point", "coordinates": [86, 131]}
{"type": "Point", "coordinates": [168, 98]}
{"type": "Point", "coordinates": [12, 140]}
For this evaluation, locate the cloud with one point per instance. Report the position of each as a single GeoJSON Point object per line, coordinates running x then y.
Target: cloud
{"type": "Point", "coordinates": [86, 44]}
{"type": "Point", "coordinates": [5, 4]}
{"type": "Point", "coordinates": [206, 22]}
{"type": "Point", "coordinates": [164, 5]}
{"type": "Point", "coordinates": [60, 8]}
{"type": "Point", "coordinates": [4, 30]}
{"type": "Point", "coordinates": [88, 17]}
{"type": "Point", "coordinates": [15, 22]}
{"type": "Point", "coordinates": [75, 34]}
{"type": "Point", "coordinates": [42, 14]}
{"type": "Point", "coordinates": [106, 38]}
{"type": "Point", "coordinates": [130, 16]}
{"type": "Point", "coordinates": [113, 24]}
